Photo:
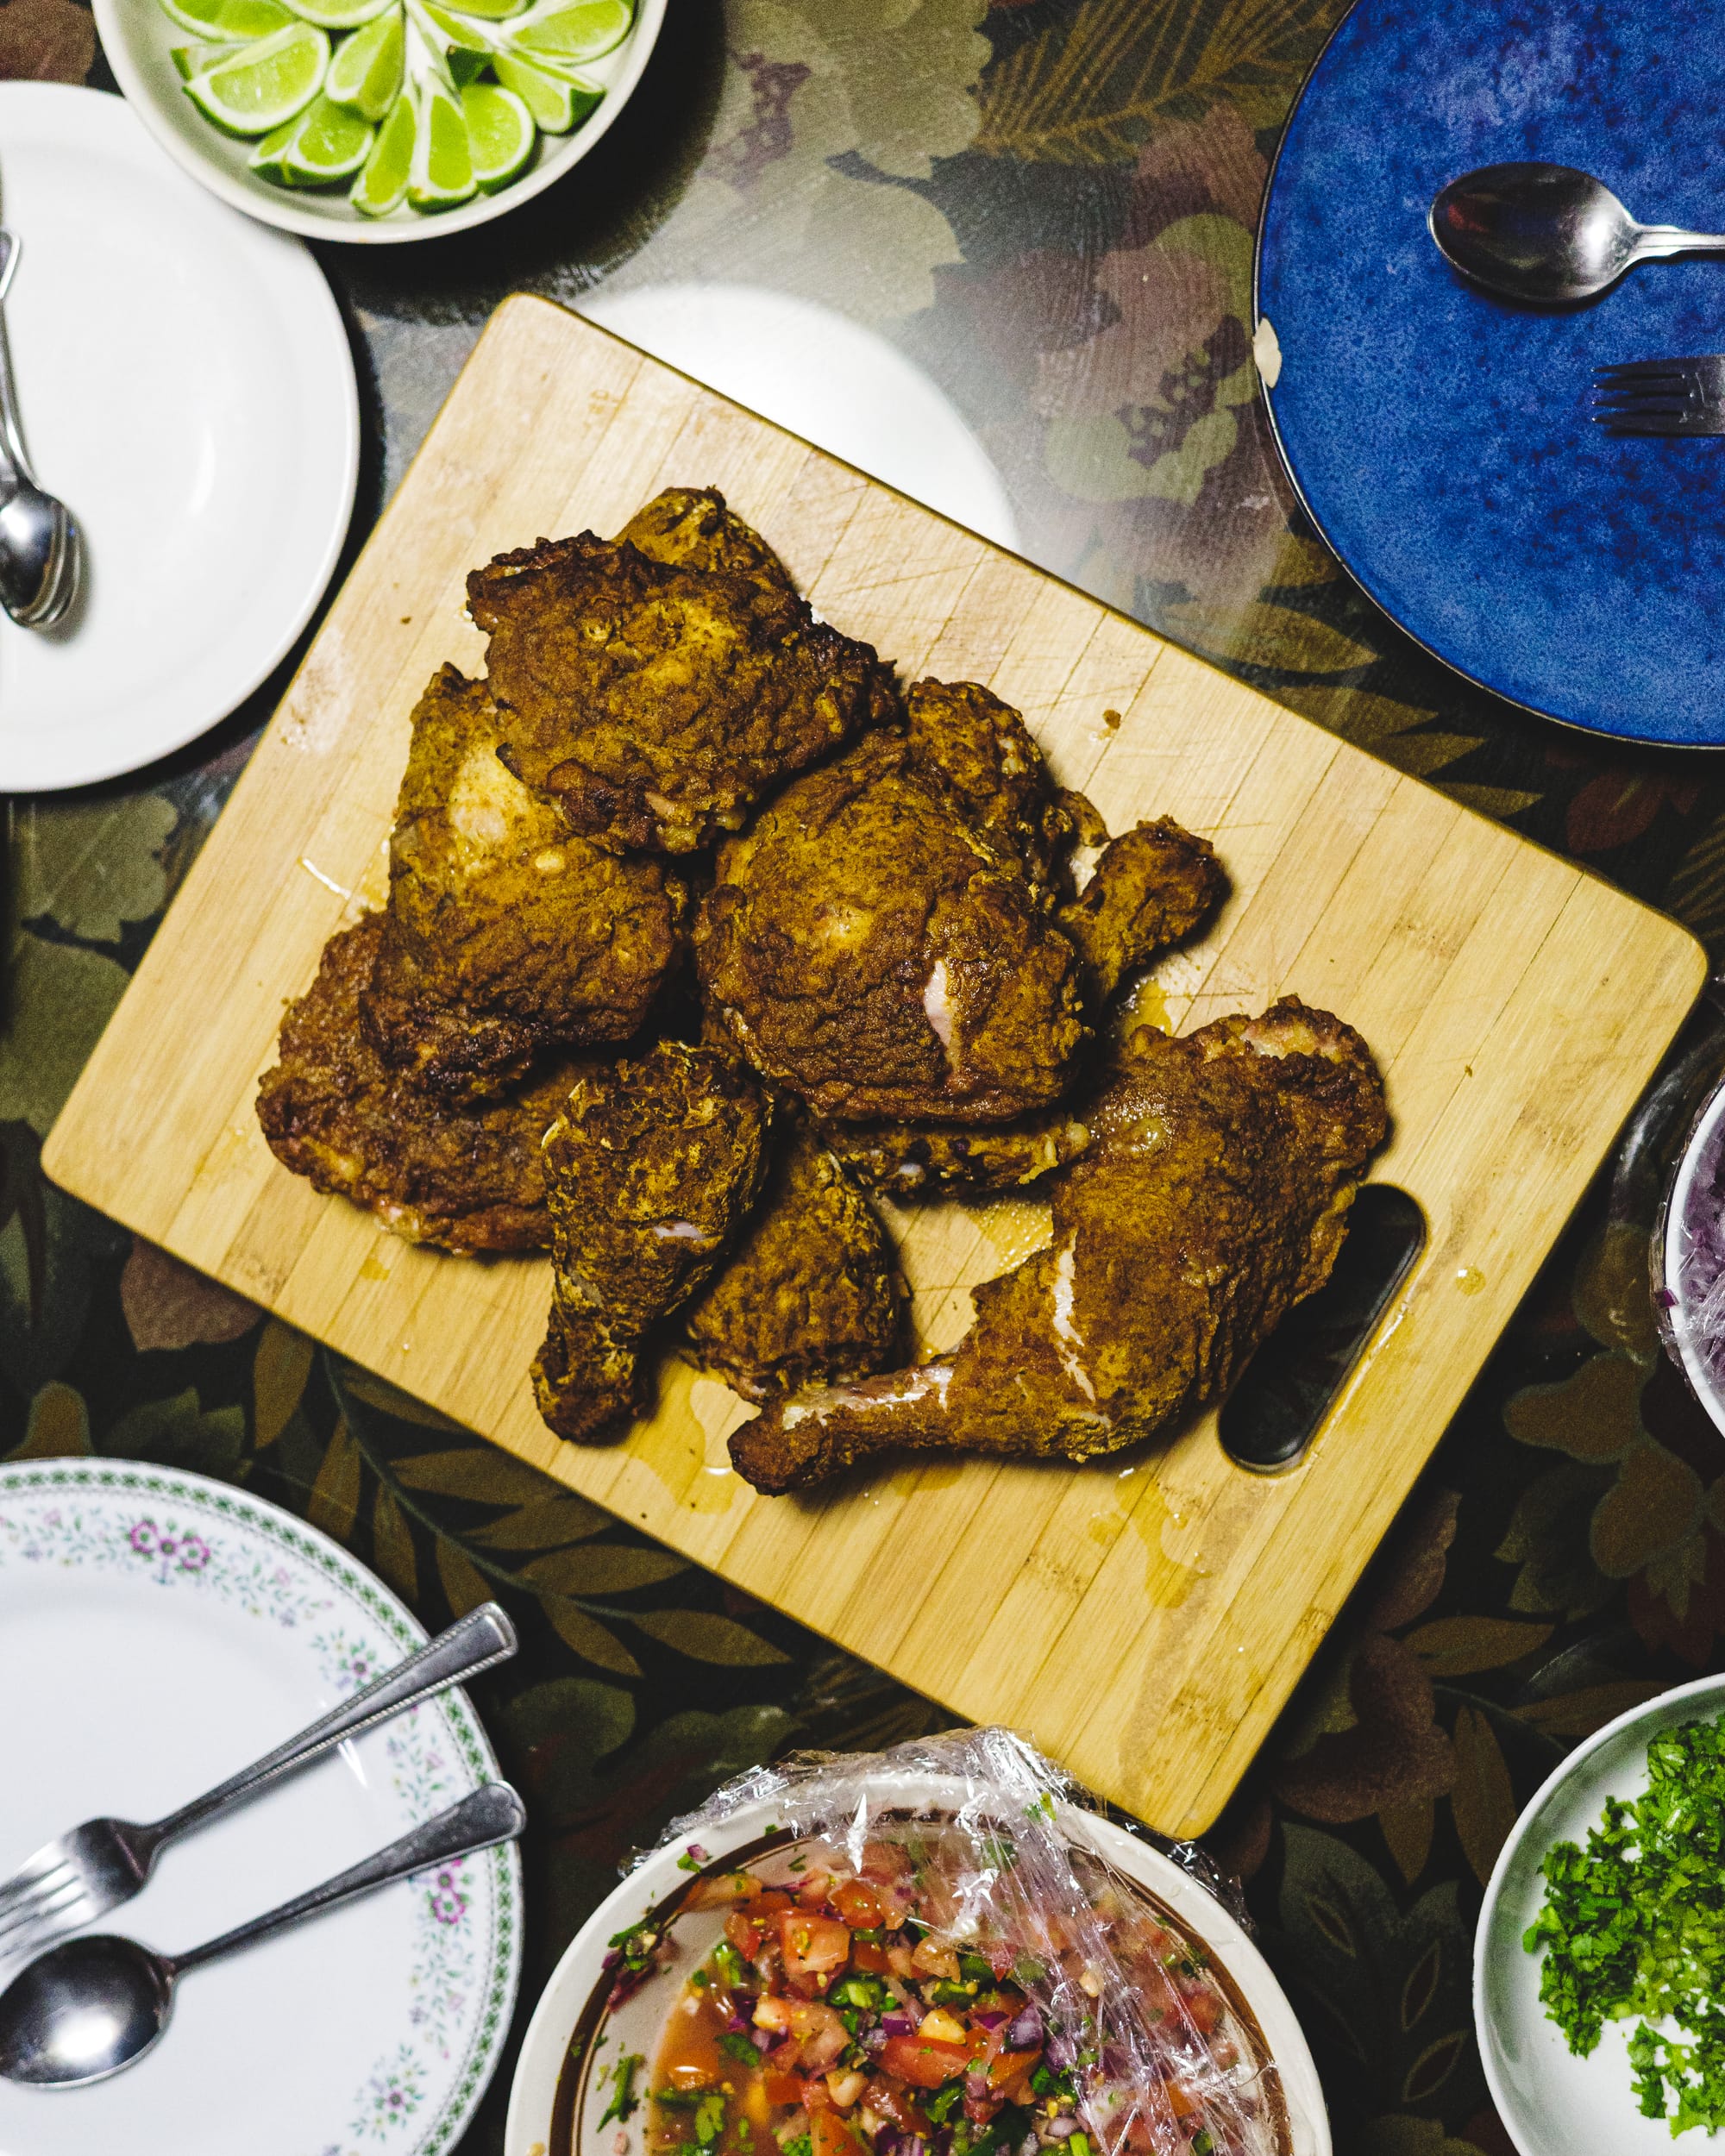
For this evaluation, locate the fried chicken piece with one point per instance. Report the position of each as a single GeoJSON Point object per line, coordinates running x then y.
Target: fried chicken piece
{"type": "Point", "coordinates": [871, 953]}
{"type": "Point", "coordinates": [468, 1178]}
{"type": "Point", "coordinates": [691, 527]}
{"type": "Point", "coordinates": [505, 932]}
{"type": "Point", "coordinates": [812, 1291]}
{"type": "Point", "coordinates": [945, 1160]}
{"type": "Point", "coordinates": [656, 701]}
{"type": "Point", "coordinates": [1151, 885]}
{"type": "Point", "coordinates": [1214, 1196]}
{"type": "Point", "coordinates": [651, 1169]}
{"type": "Point", "coordinates": [982, 752]}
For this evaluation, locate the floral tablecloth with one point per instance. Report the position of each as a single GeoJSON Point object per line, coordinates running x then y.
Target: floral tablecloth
{"type": "Point", "coordinates": [1049, 206]}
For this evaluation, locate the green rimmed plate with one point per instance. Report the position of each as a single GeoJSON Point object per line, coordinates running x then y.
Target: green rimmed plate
{"type": "Point", "coordinates": [156, 1630]}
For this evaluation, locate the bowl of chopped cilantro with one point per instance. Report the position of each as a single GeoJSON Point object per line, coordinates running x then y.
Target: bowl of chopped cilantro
{"type": "Point", "coordinates": [759, 1994]}
{"type": "Point", "coordinates": [1599, 1963]}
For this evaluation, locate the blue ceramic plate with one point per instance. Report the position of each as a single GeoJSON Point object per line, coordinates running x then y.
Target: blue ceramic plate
{"type": "Point", "coordinates": [1439, 438]}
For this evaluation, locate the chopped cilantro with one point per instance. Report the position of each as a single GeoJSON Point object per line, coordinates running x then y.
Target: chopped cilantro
{"type": "Point", "coordinates": [679, 2099]}
{"type": "Point", "coordinates": [945, 2101]}
{"type": "Point", "coordinates": [1633, 1926]}
{"type": "Point", "coordinates": [621, 2078]}
{"type": "Point", "coordinates": [729, 1964]}
{"type": "Point", "coordinates": [710, 2118]}
{"type": "Point", "coordinates": [800, 2145]}
{"type": "Point", "coordinates": [735, 2044]}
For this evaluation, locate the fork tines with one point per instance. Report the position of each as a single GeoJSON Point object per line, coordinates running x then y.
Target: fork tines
{"type": "Point", "coordinates": [1661, 396]}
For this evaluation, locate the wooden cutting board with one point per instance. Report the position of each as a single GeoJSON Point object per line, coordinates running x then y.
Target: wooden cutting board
{"type": "Point", "coordinates": [1144, 1619]}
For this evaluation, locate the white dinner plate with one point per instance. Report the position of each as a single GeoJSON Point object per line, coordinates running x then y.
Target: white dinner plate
{"type": "Point", "coordinates": [158, 1631]}
{"type": "Point", "coordinates": [573, 2002]}
{"type": "Point", "coordinates": [188, 392]}
{"type": "Point", "coordinates": [1553, 2103]}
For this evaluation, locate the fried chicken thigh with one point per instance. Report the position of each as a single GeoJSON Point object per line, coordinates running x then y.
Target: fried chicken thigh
{"type": "Point", "coordinates": [505, 932]}
{"type": "Point", "coordinates": [468, 1178]}
{"type": "Point", "coordinates": [812, 1291]}
{"type": "Point", "coordinates": [871, 953]}
{"type": "Point", "coordinates": [657, 700]}
{"type": "Point", "coordinates": [1213, 1197]}
{"type": "Point", "coordinates": [651, 1168]}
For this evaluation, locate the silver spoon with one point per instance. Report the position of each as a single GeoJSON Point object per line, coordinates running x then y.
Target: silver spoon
{"type": "Point", "coordinates": [95, 2004]}
{"type": "Point", "coordinates": [39, 549]}
{"type": "Point", "coordinates": [1548, 233]}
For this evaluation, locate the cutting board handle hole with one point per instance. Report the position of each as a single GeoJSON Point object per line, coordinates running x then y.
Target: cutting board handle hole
{"type": "Point", "coordinates": [1279, 1405]}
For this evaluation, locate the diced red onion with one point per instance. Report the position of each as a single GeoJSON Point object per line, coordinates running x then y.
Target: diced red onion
{"type": "Point", "coordinates": [898, 2025]}
{"type": "Point", "coordinates": [1060, 2051]}
{"type": "Point", "coordinates": [737, 2024]}
{"type": "Point", "coordinates": [976, 2085]}
{"type": "Point", "coordinates": [1059, 2129]}
{"type": "Point", "coordinates": [761, 2039]}
{"type": "Point", "coordinates": [1026, 2032]}
{"type": "Point", "coordinates": [991, 2019]}
{"type": "Point", "coordinates": [873, 2038]}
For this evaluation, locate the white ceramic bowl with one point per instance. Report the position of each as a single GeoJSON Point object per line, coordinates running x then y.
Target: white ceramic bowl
{"type": "Point", "coordinates": [139, 38]}
{"type": "Point", "coordinates": [1552, 2103]}
{"type": "Point", "coordinates": [575, 1992]}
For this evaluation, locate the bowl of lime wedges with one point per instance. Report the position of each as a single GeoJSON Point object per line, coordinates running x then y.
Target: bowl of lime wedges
{"type": "Point", "coordinates": [378, 120]}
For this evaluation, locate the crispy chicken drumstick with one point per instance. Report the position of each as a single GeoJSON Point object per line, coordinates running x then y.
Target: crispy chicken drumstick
{"type": "Point", "coordinates": [1213, 1198]}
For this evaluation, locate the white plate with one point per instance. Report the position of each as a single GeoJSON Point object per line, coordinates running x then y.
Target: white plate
{"type": "Point", "coordinates": [579, 1976]}
{"type": "Point", "coordinates": [1552, 2103]}
{"type": "Point", "coordinates": [187, 390]}
{"type": "Point", "coordinates": [139, 40]}
{"type": "Point", "coordinates": [157, 1632]}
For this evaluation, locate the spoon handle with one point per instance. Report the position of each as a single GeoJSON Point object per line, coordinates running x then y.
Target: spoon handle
{"type": "Point", "coordinates": [14, 464]}
{"type": "Point", "coordinates": [490, 1816]}
{"type": "Point", "coordinates": [1661, 241]}
{"type": "Point", "coordinates": [483, 1637]}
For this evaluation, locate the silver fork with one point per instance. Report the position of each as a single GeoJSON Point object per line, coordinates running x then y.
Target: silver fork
{"type": "Point", "coordinates": [72, 1881]}
{"type": "Point", "coordinates": [1666, 396]}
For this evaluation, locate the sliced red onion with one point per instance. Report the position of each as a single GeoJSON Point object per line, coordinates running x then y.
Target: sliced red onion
{"type": "Point", "coordinates": [1025, 2033]}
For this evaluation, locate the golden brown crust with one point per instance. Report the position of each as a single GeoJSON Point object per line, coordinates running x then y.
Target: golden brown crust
{"type": "Point", "coordinates": [981, 752]}
{"type": "Point", "coordinates": [812, 1292]}
{"type": "Point", "coordinates": [1213, 1198]}
{"type": "Point", "coordinates": [656, 701]}
{"type": "Point", "coordinates": [651, 1168]}
{"type": "Point", "coordinates": [505, 932]}
{"type": "Point", "coordinates": [468, 1178]}
{"type": "Point", "coordinates": [1150, 887]}
{"type": "Point", "coordinates": [909, 1161]}
{"type": "Point", "coordinates": [872, 955]}
{"type": "Point", "coordinates": [691, 526]}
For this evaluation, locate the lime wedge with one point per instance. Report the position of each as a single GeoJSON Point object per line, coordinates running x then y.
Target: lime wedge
{"type": "Point", "coordinates": [556, 102]}
{"type": "Point", "coordinates": [260, 86]}
{"type": "Point", "coordinates": [341, 15]}
{"type": "Point", "coordinates": [228, 21]}
{"type": "Point", "coordinates": [324, 143]}
{"type": "Point", "coordinates": [192, 59]}
{"type": "Point", "coordinates": [500, 133]}
{"type": "Point", "coordinates": [365, 73]}
{"type": "Point", "coordinates": [442, 171]}
{"type": "Point", "coordinates": [569, 32]}
{"type": "Point", "coordinates": [489, 10]}
{"type": "Point", "coordinates": [381, 186]}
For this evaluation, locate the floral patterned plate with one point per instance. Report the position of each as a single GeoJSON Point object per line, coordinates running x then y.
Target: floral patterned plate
{"type": "Point", "coordinates": [156, 1630]}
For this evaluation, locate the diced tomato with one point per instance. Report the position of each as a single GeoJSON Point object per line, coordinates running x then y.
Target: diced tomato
{"type": "Point", "coordinates": [770, 1903]}
{"type": "Point", "coordinates": [893, 2101]}
{"type": "Point", "coordinates": [858, 1903]}
{"type": "Point", "coordinates": [744, 1934]}
{"type": "Point", "coordinates": [780, 2088]}
{"type": "Point", "coordinates": [811, 1891]}
{"type": "Point", "coordinates": [1181, 2100]}
{"type": "Point", "coordinates": [1006, 2069]}
{"type": "Point", "coordinates": [1206, 2010]}
{"type": "Point", "coordinates": [833, 2134]}
{"type": "Point", "coordinates": [868, 1957]}
{"type": "Point", "coordinates": [812, 1945]}
{"type": "Point", "coordinates": [924, 2061]}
